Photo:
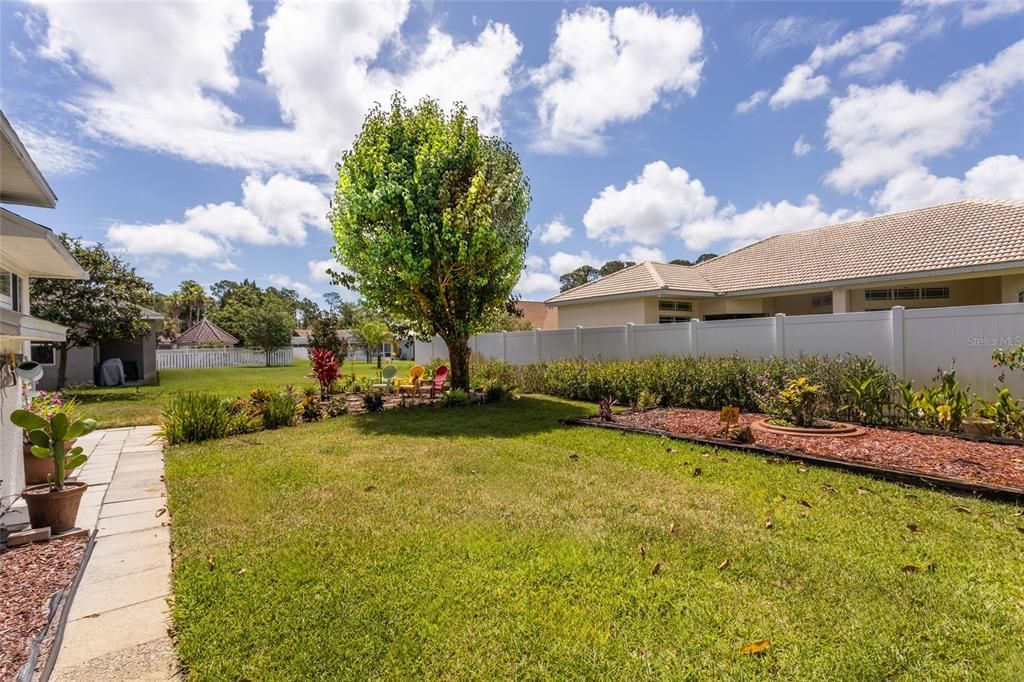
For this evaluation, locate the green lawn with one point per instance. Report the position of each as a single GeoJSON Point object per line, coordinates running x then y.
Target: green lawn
{"type": "Point", "coordinates": [127, 406]}
{"type": "Point", "coordinates": [493, 542]}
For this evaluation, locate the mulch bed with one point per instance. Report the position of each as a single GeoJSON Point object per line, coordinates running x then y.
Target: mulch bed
{"type": "Point", "coordinates": [29, 575]}
{"type": "Point", "coordinates": [973, 462]}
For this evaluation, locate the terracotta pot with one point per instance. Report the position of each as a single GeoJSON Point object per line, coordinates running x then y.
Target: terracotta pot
{"type": "Point", "coordinates": [58, 510]}
{"type": "Point", "coordinates": [37, 469]}
{"type": "Point", "coordinates": [977, 426]}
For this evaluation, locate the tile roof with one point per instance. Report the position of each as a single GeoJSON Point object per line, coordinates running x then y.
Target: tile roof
{"type": "Point", "coordinates": [963, 234]}
{"type": "Point", "coordinates": [205, 332]}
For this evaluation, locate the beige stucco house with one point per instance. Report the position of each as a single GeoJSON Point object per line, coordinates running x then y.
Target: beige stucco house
{"type": "Point", "coordinates": [27, 249]}
{"type": "Point", "coordinates": [964, 253]}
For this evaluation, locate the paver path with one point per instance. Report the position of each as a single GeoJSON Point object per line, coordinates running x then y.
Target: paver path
{"type": "Point", "coordinates": [117, 628]}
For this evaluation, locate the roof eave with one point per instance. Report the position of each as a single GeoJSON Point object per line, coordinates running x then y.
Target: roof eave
{"type": "Point", "coordinates": [47, 195]}
{"type": "Point", "coordinates": [688, 293]}
{"type": "Point", "coordinates": [875, 279]}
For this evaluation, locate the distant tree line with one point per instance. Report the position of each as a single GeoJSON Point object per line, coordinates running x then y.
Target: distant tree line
{"type": "Point", "coordinates": [586, 273]}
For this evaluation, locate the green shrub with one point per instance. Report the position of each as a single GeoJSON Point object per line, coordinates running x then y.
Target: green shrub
{"type": "Point", "coordinates": [194, 416]}
{"type": "Point", "coordinates": [373, 401]}
{"type": "Point", "coordinates": [279, 411]}
{"type": "Point", "coordinates": [455, 397]}
{"type": "Point", "coordinates": [684, 381]}
{"type": "Point", "coordinates": [335, 406]}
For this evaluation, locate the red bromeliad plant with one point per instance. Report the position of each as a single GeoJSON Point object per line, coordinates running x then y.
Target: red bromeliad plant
{"type": "Point", "coordinates": [325, 367]}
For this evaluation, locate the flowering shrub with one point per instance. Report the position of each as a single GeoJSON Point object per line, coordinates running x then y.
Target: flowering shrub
{"type": "Point", "coordinates": [1010, 359]}
{"type": "Point", "coordinates": [325, 367]}
{"type": "Point", "coordinates": [799, 400]}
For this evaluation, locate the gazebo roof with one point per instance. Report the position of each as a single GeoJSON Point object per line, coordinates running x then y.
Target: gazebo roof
{"type": "Point", "coordinates": [205, 332]}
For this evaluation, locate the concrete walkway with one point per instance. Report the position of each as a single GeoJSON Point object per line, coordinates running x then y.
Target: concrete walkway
{"type": "Point", "coordinates": [117, 628]}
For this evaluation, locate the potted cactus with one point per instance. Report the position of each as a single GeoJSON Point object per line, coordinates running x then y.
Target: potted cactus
{"type": "Point", "coordinates": [54, 504]}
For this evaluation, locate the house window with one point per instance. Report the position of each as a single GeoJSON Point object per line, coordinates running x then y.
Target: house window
{"type": "Point", "coordinates": [681, 306]}
{"type": "Point", "coordinates": [5, 287]}
{"type": "Point", "coordinates": [935, 292]}
{"type": "Point", "coordinates": [878, 294]}
{"type": "Point", "coordinates": [43, 353]}
{"type": "Point", "coordinates": [16, 285]}
{"type": "Point", "coordinates": [906, 294]}
{"type": "Point", "coordinates": [821, 300]}
{"type": "Point", "coordinates": [670, 319]}
{"type": "Point", "coordinates": [1020, 296]}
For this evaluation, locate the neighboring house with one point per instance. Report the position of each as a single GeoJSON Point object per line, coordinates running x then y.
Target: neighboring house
{"type": "Point", "coordinates": [204, 334]}
{"type": "Point", "coordinates": [538, 314]}
{"type": "Point", "coordinates": [27, 249]}
{"type": "Point", "coordinates": [138, 356]}
{"type": "Point", "coordinates": [964, 253]}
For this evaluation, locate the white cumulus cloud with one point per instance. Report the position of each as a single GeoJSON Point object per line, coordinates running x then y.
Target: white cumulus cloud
{"type": "Point", "coordinates": [562, 262]}
{"type": "Point", "coordinates": [751, 102]}
{"type": "Point", "coordinates": [534, 283]}
{"type": "Point", "coordinates": [555, 232]}
{"type": "Point", "coordinates": [801, 147]}
{"type": "Point", "coordinates": [608, 67]}
{"type": "Point", "coordinates": [735, 228]}
{"type": "Point", "coordinates": [276, 211]}
{"type": "Point", "coordinates": [649, 208]}
{"type": "Point", "coordinates": [162, 83]}
{"type": "Point", "coordinates": [996, 177]}
{"type": "Point", "coordinates": [882, 131]}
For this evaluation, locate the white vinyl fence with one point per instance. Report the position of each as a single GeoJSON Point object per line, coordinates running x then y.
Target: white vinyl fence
{"type": "Point", "coordinates": [204, 358]}
{"type": "Point", "coordinates": [915, 344]}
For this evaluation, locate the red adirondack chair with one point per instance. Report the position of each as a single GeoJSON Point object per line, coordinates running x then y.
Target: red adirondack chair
{"type": "Point", "coordinates": [438, 382]}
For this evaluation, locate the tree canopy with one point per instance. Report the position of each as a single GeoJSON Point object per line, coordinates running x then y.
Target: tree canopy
{"type": "Point", "coordinates": [586, 273]}
{"type": "Point", "coordinates": [101, 308]}
{"type": "Point", "coordinates": [429, 218]}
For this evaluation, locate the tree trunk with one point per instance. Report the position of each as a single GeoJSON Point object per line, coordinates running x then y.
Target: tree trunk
{"type": "Point", "coordinates": [62, 365]}
{"type": "Point", "coordinates": [458, 362]}
{"type": "Point", "coordinates": [380, 352]}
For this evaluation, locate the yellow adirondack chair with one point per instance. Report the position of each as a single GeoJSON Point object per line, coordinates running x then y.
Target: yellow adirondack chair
{"type": "Point", "coordinates": [410, 384]}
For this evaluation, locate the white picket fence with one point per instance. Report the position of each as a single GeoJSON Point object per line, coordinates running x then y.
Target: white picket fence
{"type": "Point", "coordinates": [205, 358]}
{"type": "Point", "coordinates": [913, 343]}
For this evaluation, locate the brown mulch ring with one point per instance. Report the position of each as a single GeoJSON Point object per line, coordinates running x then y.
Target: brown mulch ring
{"type": "Point", "coordinates": [29, 575]}
{"type": "Point", "coordinates": [974, 462]}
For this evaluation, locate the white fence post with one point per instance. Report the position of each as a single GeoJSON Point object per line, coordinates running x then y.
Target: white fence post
{"type": "Point", "coordinates": [578, 340]}
{"type": "Point", "coordinates": [695, 337]}
{"type": "Point", "coordinates": [504, 346]}
{"type": "Point", "coordinates": [898, 351]}
{"type": "Point", "coordinates": [630, 344]}
{"type": "Point", "coordinates": [780, 335]}
{"type": "Point", "coordinates": [536, 344]}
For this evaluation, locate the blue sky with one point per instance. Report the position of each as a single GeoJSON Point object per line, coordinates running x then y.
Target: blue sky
{"type": "Point", "coordinates": [200, 139]}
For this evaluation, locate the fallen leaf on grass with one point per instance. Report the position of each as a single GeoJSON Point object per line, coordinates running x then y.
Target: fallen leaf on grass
{"type": "Point", "coordinates": [724, 565]}
{"type": "Point", "coordinates": [574, 457]}
{"type": "Point", "coordinates": [697, 471]}
{"type": "Point", "coordinates": [211, 561]}
{"type": "Point", "coordinates": [657, 569]}
{"type": "Point", "coordinates": [768, 523]}
{"type": "Point", "coordinates": [1020, 603]}
{"type": "Point", "coordinates": [242, 570]}
{"type": "Point", "coordinates": [670, 449]}
{"type": "Point", "coordinates": [863, 491]}
{"type": "Point", "coordinates": [643, 551]}
{"type": "Point", "coordinates": [910, 568]}
{"type": "Point", "coordinates": [962, 509]}
{"type": "Point", "coordinates": [805, 503]}
{"type": "Point", "coordinates": [369, 488]}
{"type": "Point", "coordinates": [672, 527]}
{"type": "Point", "coordinates": [930, 568]}
{"type": "Point", "coordinates": [756, 648]}
{"type": "Point", "coordinates": [828, 488]}
{"type": "Point", "coordinates": [914, 528]}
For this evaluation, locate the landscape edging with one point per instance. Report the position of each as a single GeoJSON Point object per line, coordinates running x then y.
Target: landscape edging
{"type": "Point", "coordinates": [1001, 493]}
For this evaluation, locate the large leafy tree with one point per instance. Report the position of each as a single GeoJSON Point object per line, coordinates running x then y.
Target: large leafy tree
{"type": "Point", "coordinates": [267, 326]}
{"type": "Point", "coordinates": [429, 218]}
{"type": "Point", "coordinates": [101, 308]}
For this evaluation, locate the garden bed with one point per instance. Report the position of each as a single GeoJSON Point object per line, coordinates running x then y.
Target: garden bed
{"type": "Point", "coordinates": [29, 577]}
{"type": "Point", "coordinates": [905, 455]}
